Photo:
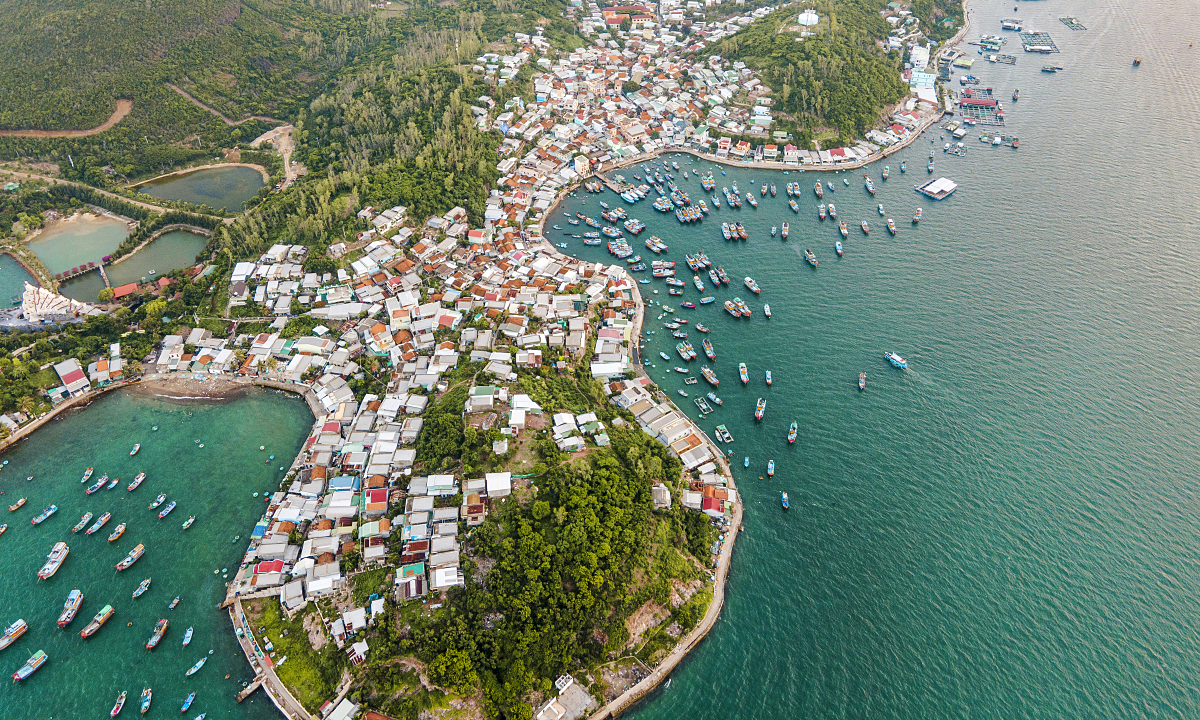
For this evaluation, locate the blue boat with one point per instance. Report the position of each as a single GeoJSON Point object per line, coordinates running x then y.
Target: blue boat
{"type": "Point", "coordinates": [147, 696]}
{"type": "Point", "coordinates": [896, 360]}
{"type": "Point", "coordinates": [747, 462]}
{"type": "Point", "coordinates": [785, 501]}
{"type": "Point", "coordinates": [188, 703]}
{"type": "Point", "coordinates": [770, 468]}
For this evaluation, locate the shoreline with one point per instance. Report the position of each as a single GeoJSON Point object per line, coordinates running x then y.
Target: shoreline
{"type": "Point", "coordinates": [266, 178]}
{"type": "Point", "coordinates": [195, 230]}
{"type": "Point", "coordinates": [33, 274]}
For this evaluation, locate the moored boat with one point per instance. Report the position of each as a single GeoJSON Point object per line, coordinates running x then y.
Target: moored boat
{"type": "Point", "coordinates": [710, 376]}
{"type": "Point", "coordinates": [187, 636]}
{"type": "Point", "coordinates": [116, 710]}
{"type": "Point", "coordinates": [891, 226]}
{"type": "Point", "coordinates": [785, 501]}
{"type": "Point", "coordinates": [792, 430]}
{"type": "Point", "coordinates": [712, 397]}
{"type": "Point", "coordinates": [820, 191]}
{"type": "Point", "coordinates": [838, 247]}
{"type": "Point", "coordinates": [843, 230]}
{"type": "Point", "coordinates": [12, 632]}
{"type": "Point", "coordinates": [30, 667]}
{"type": "Point", "coordinates": [173, 603]}
{"type": "Point", "coordinates": [821, 212]}
{"type": "Point", "coordinates": [862, 381]}
{"type": "Point", "coordinates": [167, 510]}
{"type": "Point", "coordinates": [3, 528]}
{"type": "Point", "coordinates": [117, 532]}
{"type": "Point", "coordinates": [866, 228]}
{"type": "Point", "coordinates": [147, 696]}
{"type": "Point", "coordinates": [752, 286]}
{"type": "Point", "coordinates": [771, 468]}
{"type": "Point", "coordinates": [136, 482]}
{"type": "Point", "coordinates": [784, 234]}
{"type": "Point", "coordinates": [833, 211]}
{"type": "Point", "coordinates": [83, 521]}
{"type": "Point", "coordinates": [768, 377]}
{"type": "Point", "coordinates": [188, 523]}
{"type": "Point", "coordinates": [133, 555]}
{"type": "Point", "coordinates": [810, 257]}
{"type": "Point", "coordinates": [17, 505]}
{"type": "Point", "coordinates": [160, 629]}
{"type": "Point", "coordinates": [188, 702]}
{"type": "Point", "coordinates": [99, 523]}
{"type": "Point", "coordinates": [896, 360]}
{"type": "Point", "coordinates": [767, 309]}
{"type": "Point", "coordinates": [743, 374]}
{"type": "Point", "coordinates": [157, 501]}
{"type": "Point", "coordinates": [142, 588]}
{"type": "Point", "coordinates": [87, 475]}
{"type": "Point", "coordinates": [54, 560]}
{"type": "Point", "coordinates": [917, 216]}
{"type": "Point", "coordinates": [45, 514]}
{"type": "Point", "coordinates": [70, 607]}
{"type": "Point", "coordinates": [760, 409]}
{"type": "Point", "coordinates": [197, 666]}
{"type": "Point", "coordinates": [134, 451]}
{"type": "Point", "coordinates": [97, 622]}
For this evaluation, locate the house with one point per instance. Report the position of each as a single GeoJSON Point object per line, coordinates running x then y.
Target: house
{"type": "Point", "coordinates": [74, 382]}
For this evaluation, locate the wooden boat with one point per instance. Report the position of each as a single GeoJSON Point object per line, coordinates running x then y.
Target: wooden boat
{"type": "Point", "coordinates": [17, 505]}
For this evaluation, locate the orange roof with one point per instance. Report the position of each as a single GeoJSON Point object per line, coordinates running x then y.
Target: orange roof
{"type": "Point", "coordinates": [124, 290]}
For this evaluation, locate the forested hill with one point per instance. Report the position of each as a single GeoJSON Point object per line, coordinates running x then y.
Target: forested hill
{"type": "Point", "coordinates": [838, 79]}
{"type": "Point", "coordinates": [63, 63]}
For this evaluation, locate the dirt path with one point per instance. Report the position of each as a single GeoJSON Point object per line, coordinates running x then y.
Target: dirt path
{"type": "Point", "coordinates": [281, 138]}
{"type": "Point", "coordinates": [214, 111]}
{"type": "Point", "coordinates": [124, 107]}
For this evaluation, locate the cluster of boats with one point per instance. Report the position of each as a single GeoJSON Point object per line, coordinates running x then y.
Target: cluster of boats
{"type": "Point", "coordinates": [737, 308]}
{"type": "Point", "coordinates": [656, 245]}
{"type": "Point", "coordinates": [733, 231]}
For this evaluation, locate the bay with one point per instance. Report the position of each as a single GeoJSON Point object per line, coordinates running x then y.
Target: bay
{"type": "Point", "coordinates": [12, 278]}
{"type": "Point", "coordinates": [1006, 529]}
{"type": "Point", "coordinates": [215, 483]}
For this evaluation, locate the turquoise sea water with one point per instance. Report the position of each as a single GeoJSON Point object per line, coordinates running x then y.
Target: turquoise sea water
{"type": "Point", "coordinates": [221, 187]}
{"type": "Point", "coordinates": [215, 483]}
{"type": "Point", "coordinates": [12, 279]}
{"type": "Point", "coordinates": [1008, 528]}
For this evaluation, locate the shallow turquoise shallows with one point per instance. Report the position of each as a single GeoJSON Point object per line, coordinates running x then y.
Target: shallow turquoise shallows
{"type": "Point", "coordinates": [12, 280]}
{"type": "Point", "coordinates": [219, 187]}
{"type": "Point", "coordinates": [1008, 528]}
{"type": "Point", "coordinates": [215, 483]}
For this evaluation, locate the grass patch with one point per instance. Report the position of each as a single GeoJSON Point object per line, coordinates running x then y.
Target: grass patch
{"type": "Point", "coordinates": [311, 675]}
{"type": "Point", "coordinates": [367, 583]}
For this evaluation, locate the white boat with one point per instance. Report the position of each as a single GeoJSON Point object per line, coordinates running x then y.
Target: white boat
{"type": "Point", "coordinates": [197, 666]}
{"type": "Point", "coordinates": [896, 360]}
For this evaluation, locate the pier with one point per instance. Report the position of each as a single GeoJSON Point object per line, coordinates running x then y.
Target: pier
{"type": "Point", "coordinates": [249, 690]}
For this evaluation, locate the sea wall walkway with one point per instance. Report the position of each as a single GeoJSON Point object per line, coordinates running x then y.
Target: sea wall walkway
{"type": "Point", "coordinates": [264, 669]}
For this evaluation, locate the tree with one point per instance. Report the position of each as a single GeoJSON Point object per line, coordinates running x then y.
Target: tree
{"type": "Point", "coordinates": [453, 669]}
{"type": "Point", "coordinates": [27, 405]}
{"type": "Point", "coordinates": [105, 295]}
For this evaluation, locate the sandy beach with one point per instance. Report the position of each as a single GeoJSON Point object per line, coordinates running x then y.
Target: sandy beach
{"type": "Point", "coordinates": [186, 387]}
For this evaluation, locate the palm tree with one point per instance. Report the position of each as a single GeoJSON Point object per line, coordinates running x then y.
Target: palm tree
{"type": "Point", "coordinates": [27, 405]}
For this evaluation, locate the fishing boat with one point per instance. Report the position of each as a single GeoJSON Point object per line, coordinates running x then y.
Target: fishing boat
{"type": "Point", "coordinates": [197, 666]}
{"type": "Point", "coordinates": [136, 482]}
{"type": "Point", "coordinates": [147, 696]}
{"type": "Point", "coordinates": [732, 309]}
{"type": "Point", "coordinates": [771, 468]}
{"type": "Point", "coordinates": [821, 211]}
{"type": "Point", "coordinates": [764, 190]}
{"type": "Point", "coordinates": [886, 170]}
{"type": "Point", "coordinates": [870, 186]}
{"type": "Point", "coordinates": [97, 622]}
{"type": "Point", "coordinates": [31, 665]}
{"type": "Point", "coordinates": [930, 165]}
{"type": "Point", "coordinates": [117, 532]}
{"type": "Point", "coordinates": [768, 377]}
{"type": "Point", "coordinates": [118, 705]}
{"type": "Point", "coordinates": [862, 381]}
{"type": "Point", "coordinates": [810, 257]}
{"type": "Point", "coordinates": [774, 230]}
{"type": "Point", "coordinates": [664, 356]}
{"type": "Point", "coordinates": [188, 523]}
{"type": "Point", "coordinates": [173, 603]}
{"type": "Point", "coordinates": [54, 560]}
{"type": "Point", "coordinates": [157, 501]}
{"type": "Point", "coordinates": [917, 216]}
{"type": "Point", "coordinates": [1016, 94]}
{"type": "Point", "coordinates": [896, 360]}
{"type": "Point", "coordinates": [792, 430]}
{"type": "Point", "coordinates": [160, 629]}
{"type": "Point", "coordinates": [767, 309]}
{"type": "Point", "coordinates": [903, 165]}
{"type": "Point", "coordinates": [87, 475]}
{"type": "Point", "coordinates": [113, 483]}
{"type": "Point", "coordinates": [45, 514]}
{"type": "Point", "coordinates": [706, 300]}
{"type": "Point", "coordinates": [97, 485]}
{"type": "Point", "coordinates": [792, 204]}
{"type": "Point", "coordinates": [134, 451]}
{"type": "Point", "coordinates": [820, 191]}
{"type": "Point", "coordinates": [187, 636]}
{"type": "Point", "coordinates": [710, 376]}
{"type": "Point", "coordinates": [772, 189]}
{"type": "Point", "coordinates": [785, 231]}
{"type": "Point", "coordinates": [142, 588]}
{"type": "Point", "coordinates": [167, 510]}
{"type": "Point", "coordinates": [698, 283]}
{"type": "Point", "coordinates": [70, 607]}
{"type": "Point", "coordinates": [682, 393]}
{"type": "Point", "coordinates": [708, 349]}
{"type": "Point", "coordinates": [866, 228]}
{"type": "Point", "coordinates": [838, 247]}
{"type": "Point", "coordinates": [742, 373]}
{"type": "Point", "coordinates": [843, 229]}
{"type": "Point", "coordinates": [98, 524]}
{"type": "Point", "coordinates": [3, 528]}
{"type": "Point", "coordinates": [746, 461]}
{"type": "Point", "coordinates": [880, 209]}
{"type": "Point", "coordinates": [712, 397]}
{"type": "Point", "coordinates": [12, 632]}
{"type": "Point", "coordinates": [785, 501]}
{"type": "Point", "coordinates": [723, 434]}
{"type": "Point", "coordinates": [83, 521]}
{"type": "Point", "coordinates": [133, 555]}
{"type": "Point", "coordinates": [752, 286]}
{"type": "Point", "coordinates": [760, 409]}
{"type": "Point", "coordinates": [833, 211]}
{"type": "Point", "coordinates": [699, 327]}
{"type": "Point", "coordinates": [17, 505]}
{"type": "Point", "coordinates": [188, 703]}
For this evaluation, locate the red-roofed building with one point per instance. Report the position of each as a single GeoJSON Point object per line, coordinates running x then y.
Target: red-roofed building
{"type": "Point", "coordinates": [124, 290]}
{"type": "Point", "coordinates": [273, 566]}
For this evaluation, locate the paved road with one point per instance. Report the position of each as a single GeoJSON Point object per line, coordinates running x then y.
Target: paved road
{"type": "Point", "coordinates": [280, 695]}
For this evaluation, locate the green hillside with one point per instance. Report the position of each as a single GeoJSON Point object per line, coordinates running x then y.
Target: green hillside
{"type": "Point", "coordinates": [63, 63]}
